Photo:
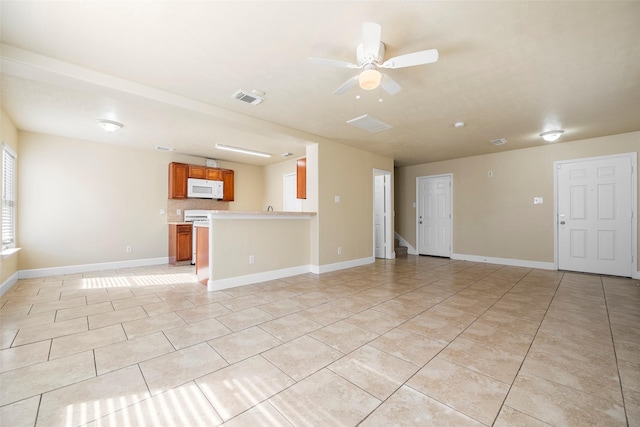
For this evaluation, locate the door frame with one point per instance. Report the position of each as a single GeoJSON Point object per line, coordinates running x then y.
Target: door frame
{"type": "Point", "coordinates": [388, 213]}
{"type": "Point", "coordinates": [450, 176]}
{"type": "Point", "coordinates": [634, 204]}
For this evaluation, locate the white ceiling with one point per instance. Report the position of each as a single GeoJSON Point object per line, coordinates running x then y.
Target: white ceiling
{"type": "Point", "coordinates": [167, 70]}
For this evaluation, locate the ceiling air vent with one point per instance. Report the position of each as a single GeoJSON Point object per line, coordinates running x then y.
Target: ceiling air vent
{"type": "Point", "coordinates": [249, 98]}
{"type": "Point", "coordinates": [500, 141]}
{"type": "Point", "coordinates": [369, 123]}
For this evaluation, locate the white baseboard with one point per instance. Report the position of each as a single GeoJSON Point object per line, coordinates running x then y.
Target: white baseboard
{"type": "Point", "coordinates": [410, 249]}
{"type": "Point", "coordinates": [505, 261]}
{"type": "Point", "coordinates": [232, 282]}
{"type": "Point", "coordinates": [84, 268]}
{"type": "Point", "coordinates": [8, 283]}
{"type": "Point", "coordinates": [319, 269]}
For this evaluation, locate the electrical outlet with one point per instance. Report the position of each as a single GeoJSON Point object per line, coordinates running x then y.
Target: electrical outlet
{"type": "Point", "coordinates": [252, 259]}
{"type": "Point", "coordinates": [339, 250]}
{"type": "Point", "coordinates": [178, 211]}
{"type": "Point", "coordinates": [129, 249]}
{"type": "Point", "coordinates": [163, 211]}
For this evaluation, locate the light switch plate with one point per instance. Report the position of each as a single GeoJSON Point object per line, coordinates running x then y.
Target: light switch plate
{"type": "Point", "coordinates": [337, 199]}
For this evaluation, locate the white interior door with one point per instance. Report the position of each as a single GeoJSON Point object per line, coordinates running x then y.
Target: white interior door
{"type": "Point", "coordinates": [595, 215]}
{"type": "Point", "coordinates": [290, 201]}
{"type": "Point", "coordinates": [434, 215]}
{"type": "Point", "coordinates": [379, 216]}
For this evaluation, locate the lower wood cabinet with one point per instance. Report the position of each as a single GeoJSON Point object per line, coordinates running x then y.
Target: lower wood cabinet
{"type": "Point", "coordinates": [202, 254]}
{"type": "Point", "coordinates": [180, 243]}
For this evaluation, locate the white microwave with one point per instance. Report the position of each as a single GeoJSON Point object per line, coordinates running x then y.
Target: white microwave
{"type": "Point", "coordinates": [204, 189]}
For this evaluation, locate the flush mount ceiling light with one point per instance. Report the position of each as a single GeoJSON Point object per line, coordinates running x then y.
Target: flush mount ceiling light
{"type": "Point", "coordinates": [551, 135]}
{"type": "Point", "coordinates": [109, 125]}
{"type": "Point", "coordinates": [242, 150]}
{"type": "Point", "coordinates": [370, 78]}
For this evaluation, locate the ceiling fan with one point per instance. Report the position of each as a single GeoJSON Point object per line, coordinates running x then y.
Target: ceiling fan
{"type": "Point", "coordinates": [370, 57]}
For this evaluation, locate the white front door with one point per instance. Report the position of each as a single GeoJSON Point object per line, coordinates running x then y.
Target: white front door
{"type": "Point", "coordinates": [379, 216]}
{"type": "Point", "coordinates": [595, 215]}
{"type": "Point", "coordinates": [290, 201]}
{"type": "Point", "coordinates": [434, 215]}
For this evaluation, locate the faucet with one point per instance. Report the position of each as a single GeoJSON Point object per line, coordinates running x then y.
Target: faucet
{"type": "Point", "coordinates": [269, 208]}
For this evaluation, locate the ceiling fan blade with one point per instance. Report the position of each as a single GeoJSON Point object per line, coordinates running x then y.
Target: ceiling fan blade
{"type": "Point", "coordinates": [389, 85]}
{"type": "Point", "coordinates": [346, 86]}
{"type": "Point", "coordinates": [411, 59]}
{"type": "Point", "coordinates": [333, 63]}
{"type": "Point", "coordinates": [371, 33]}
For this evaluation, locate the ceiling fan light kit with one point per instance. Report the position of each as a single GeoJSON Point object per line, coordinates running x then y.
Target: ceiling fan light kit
{"type": "Point", "coordinates": [369, 79]}
{"type": "Point", "coordinates": [370, 57]}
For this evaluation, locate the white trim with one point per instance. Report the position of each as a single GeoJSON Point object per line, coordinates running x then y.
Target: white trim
{"type": "Point", "coordinates": [84, 268]}
{"type": "Point", "coordinates": [327, 268]}
{"type": "Point", "coordinates": [232, 282]}
{"type": "Point", "coordinates": [8, 283]}
{"type": "Point", "coordinates": [410, 249]}
{"type": "Point", "coordinates": [9, 251]}
{"type": "Point", "coordinates": [634, 203]}
{"type": "Point", "coordinates": [505, 261]}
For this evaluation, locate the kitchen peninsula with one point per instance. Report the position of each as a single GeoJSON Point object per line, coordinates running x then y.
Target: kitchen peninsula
{"type": "Point", "coordinates": [237, 248]}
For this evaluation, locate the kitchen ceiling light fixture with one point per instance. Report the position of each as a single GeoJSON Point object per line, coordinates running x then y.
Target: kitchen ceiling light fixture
{"type": "Point", "coordinates": [369, 79]}
{"type": "Point", "coordinates": [551, 135]}
{"type": "Point", "coordinates": [109, 125]}
{"type": "Point", "coordinates": [242, 150]}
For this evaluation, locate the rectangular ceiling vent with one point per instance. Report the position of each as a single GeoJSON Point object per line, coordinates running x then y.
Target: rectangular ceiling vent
{"type": "Point", "coordinates": [249, 98]}
{"type": "Point", "coordinates": [500, 141]}
{"type": "Point", "coordinates": [369, 123]}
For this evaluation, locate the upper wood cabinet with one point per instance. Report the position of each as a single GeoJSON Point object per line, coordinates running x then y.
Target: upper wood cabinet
{"type": "Point", "coordinates": [227, 179]}
{"type": "Point", "coordinates": [199, 172]}
{"type": "Point", "coordinates": [214, 174]}
{"type": "Point", "coordinates": [301, 178]}
{"type": "Point", "coordinates": [180, 172]}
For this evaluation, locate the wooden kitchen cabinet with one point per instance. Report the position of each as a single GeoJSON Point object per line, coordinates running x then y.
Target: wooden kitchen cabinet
{"type": "Point", "coordinates": [214, 174]}
{"type": "Point", "coordinates": [178, 174]}
{"type": "Point", "coordinates": [301, 178]}
{"type": "Point", "coordinates": [227, 179]}
{"type": "Point", "coordinates": [202, 254]}
{"type": "Point", "coordinates": [180, 243]}
{"type": "Point", "coordinates": [199, 172]}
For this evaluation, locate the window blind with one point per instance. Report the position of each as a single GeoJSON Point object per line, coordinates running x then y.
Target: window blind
{"type": "Point", "coordinates": [8, 197]}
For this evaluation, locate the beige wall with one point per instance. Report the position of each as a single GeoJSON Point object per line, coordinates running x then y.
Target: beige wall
{"type": "Point", "coordinates": [83, 202]}
{"type": "Point", "coordinates": [275, 244]}
{"type": "Point", "coordinates": [495, 217]}
{"type": "Point", "coordinates": [346, 172]}
{"type": "Point", "coordinates": [9, 134]}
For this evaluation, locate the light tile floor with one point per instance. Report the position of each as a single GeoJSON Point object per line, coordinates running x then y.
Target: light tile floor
{"type": "Point", "coordinates": [412, 341]}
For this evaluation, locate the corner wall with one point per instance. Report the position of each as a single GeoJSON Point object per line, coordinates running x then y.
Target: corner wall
{"type": "Point", "coordinates": [495, 216]}
{"type": "Point", "coordinates": [346, 172]}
